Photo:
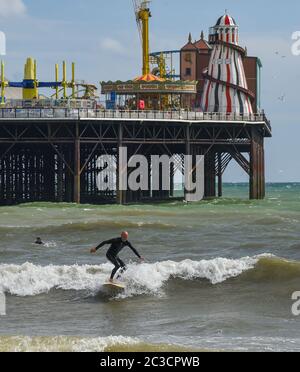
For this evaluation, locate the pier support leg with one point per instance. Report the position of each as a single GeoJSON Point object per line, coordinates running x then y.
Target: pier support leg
{"type": "Point", "coordinates": [210, 174]}
{"type": "Point", "coordinates": [49, 178]}
{"type": "Point", "coordinates": [187, 152]}
{"type": "Point", "coordinates": [172, 180]}
{"type": "Point", "coordinates": [69, 175]}
{"type": "Point", "coordinates": [257, 166]}
{"type": "Point", "coordinates": [220, 176]}
{"type": "Point", "coordinates": [60, 178]}
{"type": "Point", "coordinates": [121, 194]}
{"type": "Point", "coordinates": [77, 170]}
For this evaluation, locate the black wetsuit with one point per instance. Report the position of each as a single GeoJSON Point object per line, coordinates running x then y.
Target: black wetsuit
{"type": "Point", "coordinates": [116, 246]}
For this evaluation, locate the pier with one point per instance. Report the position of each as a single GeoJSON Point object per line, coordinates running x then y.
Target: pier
{"type": "Point", "coordinates": [50, 146]}
{"type": "Point", "coordinates": [50, 155]}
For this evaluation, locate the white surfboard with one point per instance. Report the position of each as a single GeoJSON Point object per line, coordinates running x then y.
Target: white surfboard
{"type": "Point", "coordinates": [114, 285]}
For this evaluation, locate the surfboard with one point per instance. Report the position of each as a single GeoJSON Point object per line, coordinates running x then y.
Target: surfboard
{"type": "Point", "coordinates": [115, 285]}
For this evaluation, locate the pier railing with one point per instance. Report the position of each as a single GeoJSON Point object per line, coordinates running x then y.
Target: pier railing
{"type": "Point", "coordinates": [179, 115]}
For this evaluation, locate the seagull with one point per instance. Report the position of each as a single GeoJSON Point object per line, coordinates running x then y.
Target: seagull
{"type": "Point", "coordinates": [278, 54]}
{"type": "Point", "coordinates": [281, 98]}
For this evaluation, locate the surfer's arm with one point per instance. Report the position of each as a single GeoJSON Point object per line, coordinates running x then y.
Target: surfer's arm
{"type": "Point", "coordinates": [134, 251]}
{"type": "Point", "coordinates": [104, 243]}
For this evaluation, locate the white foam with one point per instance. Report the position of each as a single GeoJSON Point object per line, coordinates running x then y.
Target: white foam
{"type": "Point", "coordinates": [102, 343]}
{"type": "Point", "coordinates": [51, 244]}
{"type": "Point", "coordinates": [151, 278]}
{"type": "Point", "coordinates": [69, 344]}
{"type": "Point", "coordinates": [31, 280]}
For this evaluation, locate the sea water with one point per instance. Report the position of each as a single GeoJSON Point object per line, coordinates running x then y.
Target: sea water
{"type": "Point", "coordinates": [218, 275]}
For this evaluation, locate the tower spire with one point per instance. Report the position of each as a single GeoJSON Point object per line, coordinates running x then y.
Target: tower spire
{"type": "Point", "coordinates": [226, 89]}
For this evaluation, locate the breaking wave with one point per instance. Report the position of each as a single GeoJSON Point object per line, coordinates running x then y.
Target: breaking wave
{"type": "Point", "coordinates": [63, 344]}
{"type": "Point", "coordinates": [145, 279]}
{"type": "Point", "coordinates": [90, 226]}
{"type": "Point", "coordinates": [79, 344]}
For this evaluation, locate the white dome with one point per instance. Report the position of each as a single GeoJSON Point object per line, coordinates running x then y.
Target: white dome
{"type": "Point", "coordinates": [225, 20]}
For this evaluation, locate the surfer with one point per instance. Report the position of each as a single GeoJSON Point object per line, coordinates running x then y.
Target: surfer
{"type": "Point", "coordinates": [39, 241]}
{"type": "Point", "coordinates": [116, 246]}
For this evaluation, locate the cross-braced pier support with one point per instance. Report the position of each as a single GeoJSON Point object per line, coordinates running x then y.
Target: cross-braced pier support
{"type": "Point", "coordinates": [57, 160]}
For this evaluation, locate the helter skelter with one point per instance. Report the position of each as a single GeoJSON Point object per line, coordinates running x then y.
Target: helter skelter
{"type": "Point", "coordinates": [226, 89]}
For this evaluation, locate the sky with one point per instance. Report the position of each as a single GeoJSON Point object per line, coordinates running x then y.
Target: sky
{"type": "Point", "coordinates": [102, 38]}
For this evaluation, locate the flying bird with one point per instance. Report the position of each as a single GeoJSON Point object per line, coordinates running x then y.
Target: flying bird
{"type": "Point", "coordinates": [282, 98]}
{"type": "Point", "coordinates": [278, 54]}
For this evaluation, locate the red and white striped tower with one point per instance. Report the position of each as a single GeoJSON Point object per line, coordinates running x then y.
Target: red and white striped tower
{"type": "Point", "coordinates": [226, 89]}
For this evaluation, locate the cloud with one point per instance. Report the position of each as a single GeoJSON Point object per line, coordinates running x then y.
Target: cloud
{"type": "Point", "coordinates": [112, 45]}
{"type": "Point", "coordinates": [10, 8]}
